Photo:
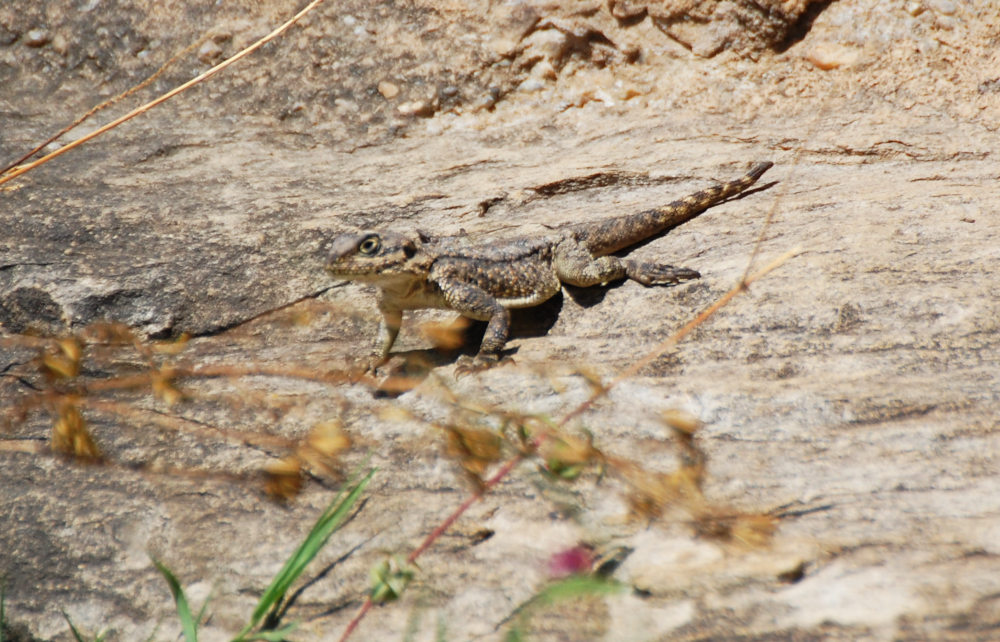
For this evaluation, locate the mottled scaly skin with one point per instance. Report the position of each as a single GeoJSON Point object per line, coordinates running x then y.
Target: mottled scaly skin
{"type": "Point", "coordinates": [614, 234]}
{"type": "Point", "coordinates": [483, 281]}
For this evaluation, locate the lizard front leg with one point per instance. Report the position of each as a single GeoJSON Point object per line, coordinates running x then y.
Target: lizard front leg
{"type": "Point", "coordinates": [388, 330]}
{"type": "Point", "coordinates": [476, 303]}
{"type": "Point", "coordinates": [575, 265]}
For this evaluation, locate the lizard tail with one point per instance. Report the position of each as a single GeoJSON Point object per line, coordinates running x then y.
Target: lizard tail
{"type": "Point", "coordinates": [716, 194]}
{"type": "Point", "coordinates": [615, 234]}
{"type": "Point", "coordinates": [758, 170]}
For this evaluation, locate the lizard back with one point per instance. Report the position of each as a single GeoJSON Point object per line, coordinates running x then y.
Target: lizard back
{"type": "Point", "coordinates": [518, 273]}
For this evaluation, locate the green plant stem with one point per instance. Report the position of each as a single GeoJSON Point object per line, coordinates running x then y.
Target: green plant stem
{"type": "Point", "coordinates": [432, 537]}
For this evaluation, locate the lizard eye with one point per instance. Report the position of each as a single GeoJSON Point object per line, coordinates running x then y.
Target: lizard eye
{"type": "Point", "coordinates": [370, 245]}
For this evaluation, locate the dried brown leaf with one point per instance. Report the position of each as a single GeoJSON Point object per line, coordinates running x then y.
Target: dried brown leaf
{"type": "Point", "coordinates": [64, 361]}
{"type": "Point", "coordinates": [326, 440]}
{"type": "Point", "coordinates": [283, 478]}
{"type": "Point", "coordinates": [474, 448]}
{"type": "Point", "coordinates": [446, 336]}
{"type": "Point", "coordinates": [163, 386]}
{"type": "Point", "coordinates": [70, 435]}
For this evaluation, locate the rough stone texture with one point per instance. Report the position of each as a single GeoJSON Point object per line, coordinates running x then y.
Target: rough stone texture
{"type": "Point", "coordinates": [707, 27]}
{"type": "Point", "coordinates": [856, 385]}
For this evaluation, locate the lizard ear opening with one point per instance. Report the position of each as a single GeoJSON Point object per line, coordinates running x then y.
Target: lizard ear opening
{"type": "Point", "coordinates": [409, 249]}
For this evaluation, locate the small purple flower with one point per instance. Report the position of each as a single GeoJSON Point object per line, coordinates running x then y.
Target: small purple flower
{"type": "Point", "coordinates": [572, 561]}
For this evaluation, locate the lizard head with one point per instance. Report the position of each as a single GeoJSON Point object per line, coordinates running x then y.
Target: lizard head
{"type": "Point", "coordinates": [375, 256]}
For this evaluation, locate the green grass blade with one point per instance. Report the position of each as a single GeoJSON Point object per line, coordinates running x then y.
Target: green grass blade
{"type": "Point", "coordinates": [441, 634]}
{"type": "Point", "coordinates": [325, 526]}
{"type": "Point", "coordinates": [279, 635]}
{"type": "Point", "coordinates": [204, 607]}
{"type": "Point", "coordinates": [188, 624]}
{"type": "Point", "coordinates": [76, 633]}
{"type": "Point", "coordinates": [572, 587]}
{"type": "Point", "coordinates": [576, 586]}
{"type": "Point", "coordinates": [516, 632]}
{"type": "Point", "coordinates": [72, 628]}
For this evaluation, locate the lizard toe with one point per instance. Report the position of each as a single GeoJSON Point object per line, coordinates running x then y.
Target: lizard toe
{"type": "Point", "coordinates": [654, 274]}
{"type": "Point", "coordinates": [365, 367]}
{"type": "Point", "coordinates": [469, 365]}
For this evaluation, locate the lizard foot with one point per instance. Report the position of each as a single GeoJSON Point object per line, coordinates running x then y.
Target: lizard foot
{"type": "Point", "coordinates": [654, 274]}
{"type": "Point", "coordinates": [365, 367]}
{"type": "Point", "coordinates": [468, 365]}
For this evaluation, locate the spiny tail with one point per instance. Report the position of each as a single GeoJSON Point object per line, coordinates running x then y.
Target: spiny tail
{"type": "Point", "coordinates": [611, 235]}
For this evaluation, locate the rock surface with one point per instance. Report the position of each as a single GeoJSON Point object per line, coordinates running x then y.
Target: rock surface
{"type": "Point", "coordinates": [853, 390]}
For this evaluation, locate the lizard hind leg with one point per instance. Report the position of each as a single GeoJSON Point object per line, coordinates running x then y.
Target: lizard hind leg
{"type": "Point", "coordinates": [658, 274]}
{"type": "Point", "coordinates": [575, 265]}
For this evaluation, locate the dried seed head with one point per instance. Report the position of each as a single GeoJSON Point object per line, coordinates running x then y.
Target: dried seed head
{"type": "Point", "coordinates": [682, 421]}
{"type": "Point", "coordinates": [163, 386]}
{"type": "Point", "coordinates": [446, 336]}
{"type": "Point", "coordinates": [390, 578]}
{"type": "Point", "coordinates": [474, 448]}
{"type": "Point", "coordinates": [283, 478]}
{"type": "Point", "coordinates": [171, 347]}
{"type": "Point", "coordinates": [326, 440]}
{"type": "Point", "coordinates": [70, 435]}
{"type": "Point", "coordinates": [64, 361]}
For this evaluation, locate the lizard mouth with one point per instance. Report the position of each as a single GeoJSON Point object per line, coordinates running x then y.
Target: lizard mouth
{"type": "Point", "coordinates": [351, 270]}
{"type": "Point", "coordinates": [344, 271]}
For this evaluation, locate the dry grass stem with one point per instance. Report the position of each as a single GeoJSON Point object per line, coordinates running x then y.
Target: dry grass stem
{"type": "Point", "coordinates": [162, 98]}
{"type": "Point", "coordinates": [676, 337]}
{"type": "Point", "coordinates": [104, 105]}
{"type": "Point", "coordinates": [179, 424]}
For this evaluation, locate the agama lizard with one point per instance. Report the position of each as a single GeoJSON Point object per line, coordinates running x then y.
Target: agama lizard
{"type": "Point", "coordinates": [483, 281]}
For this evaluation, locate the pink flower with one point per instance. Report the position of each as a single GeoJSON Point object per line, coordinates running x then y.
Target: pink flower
{"type": "Point", "coordinates": [572, 561]}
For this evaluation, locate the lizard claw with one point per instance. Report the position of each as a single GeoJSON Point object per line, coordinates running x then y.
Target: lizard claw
{"type": "Point", "coordinates": [365, 368]}
{"type": "Point", "coordinates": [468, 365]}
{"type": "Point", "coordinates": [657, 274]}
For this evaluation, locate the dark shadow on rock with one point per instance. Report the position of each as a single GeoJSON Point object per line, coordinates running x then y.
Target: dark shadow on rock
{"type": "Point", "coordinates": [588, 297]}
{"type": "Point", "coordinates": [524, 322]}
{"type": "Point", "coordinates": [30, 308]}
{"type": "Point", "coordinates": [536, 321]}
{"type": "Point", "coordinates": [16, 632]}
{"type": "Point", "coordinates": [798, 31]}
{"type": "Point", "coordinates": [407, 369]}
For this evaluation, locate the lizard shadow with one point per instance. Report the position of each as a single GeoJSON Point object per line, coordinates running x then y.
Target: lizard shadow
{"type": "Point", "coordinates": [589, 297]}
{"type": "Point", "coordinates": [465, 336]}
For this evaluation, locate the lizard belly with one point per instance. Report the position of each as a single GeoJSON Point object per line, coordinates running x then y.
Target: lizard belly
{"type": "Point", "coordinates": [537, 297]}
{"type": "Point", "coordinates": [513, 283]}
{"type": "Point", "coordinates": [525, 285]}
